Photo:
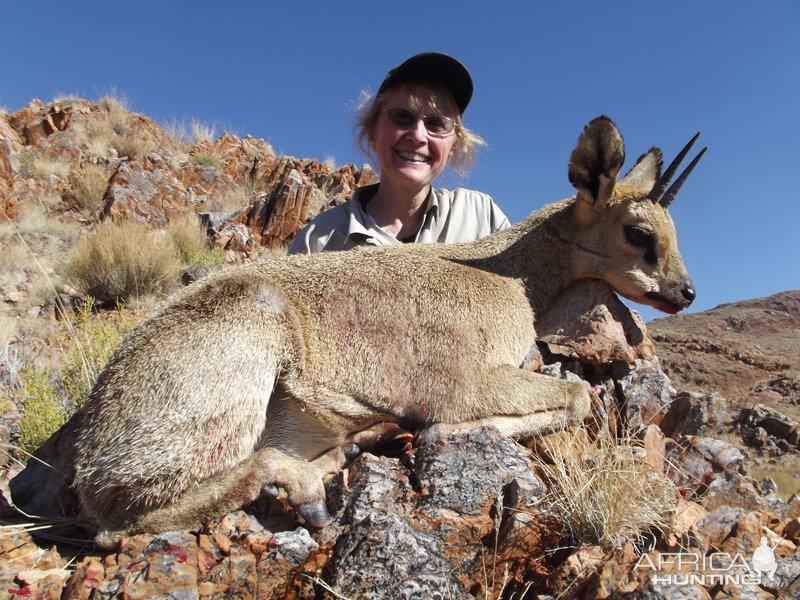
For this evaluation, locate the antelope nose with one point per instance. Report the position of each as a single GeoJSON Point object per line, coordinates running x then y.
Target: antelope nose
{"type": "Point", "coordinates": [688, 291]}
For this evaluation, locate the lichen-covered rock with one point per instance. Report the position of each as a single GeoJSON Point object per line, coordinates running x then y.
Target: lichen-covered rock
{"type": "Point", "coordinates": [589, 322]}
{"type": "Point", "coordinates": [416, 528]}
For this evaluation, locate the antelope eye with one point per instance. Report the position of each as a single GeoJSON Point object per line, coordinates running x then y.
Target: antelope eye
{"type": "Point", "coordinates": [639, 237]}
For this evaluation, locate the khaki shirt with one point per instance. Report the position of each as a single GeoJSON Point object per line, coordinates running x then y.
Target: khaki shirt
{"type": "Point", "coordinates": [452, 216]}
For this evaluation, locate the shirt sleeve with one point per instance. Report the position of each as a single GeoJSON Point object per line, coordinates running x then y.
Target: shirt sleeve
{"type": "Point", "coordinates": [498, 218]}
{"type": "Point", "coordinates": [301, 244]}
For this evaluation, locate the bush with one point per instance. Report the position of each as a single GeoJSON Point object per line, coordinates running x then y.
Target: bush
{"type": "Point", "coordinates": [42, 412]}
{"type": "Point", "coordinates": [232, 199]}
{"type": "Point", "coordinates": [89, 184]}
{"type": "Point", "coordinates": [87, 347]}
{"type": "Point", "coordinates": [206, 160]}
{"type": "Point", "coordinates": [46, 401]}
{"type": "Point", "coordinates": [33, 163]}
{"type": "Point", "coordinates": [135, 144]}
{"type": "Point", "coordinates": [121, 261]}
{"type": "Point", "coordinates": [190, 240]}
{"type": "Point", "coordinates": [109, 129]}
{"type": "Point", "coordinates": [604, 491]}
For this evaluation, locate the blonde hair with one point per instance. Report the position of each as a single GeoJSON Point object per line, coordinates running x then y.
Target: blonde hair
{"type": "Point", "coordinates": [434, 94]}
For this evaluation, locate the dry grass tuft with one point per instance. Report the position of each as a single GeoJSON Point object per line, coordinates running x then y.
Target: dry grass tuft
{"type": "Point", "coordinates": [190, 239]}
{"type": "Point", "coordinates": [133, 144]}
{"type": "Point", "coordinates": [32, 247]}
{"type": "Point", "coordinates": [605, 492]}
{"type": "Point", "coordinates": [121, 261]}
{"type": "Point", "coordinates": [234, 198]}
{"type": "Point", "coordinates": [89, 184]}
{"type": "Point", "coordinates": [33, 163]}
{"type": "Point", "coordinates": [117, 111]}
{"type": "Point", "coordinates": [109, 129]}
{"type": "Point", "coordinates": [200, 132]}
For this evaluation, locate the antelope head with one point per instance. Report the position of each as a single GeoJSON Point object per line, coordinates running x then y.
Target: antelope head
{"type": "Point", "coordinates": [622, 230]}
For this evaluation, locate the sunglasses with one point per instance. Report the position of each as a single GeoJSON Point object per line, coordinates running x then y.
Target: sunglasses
{"type": "Point", "coordinates": [435, 124]}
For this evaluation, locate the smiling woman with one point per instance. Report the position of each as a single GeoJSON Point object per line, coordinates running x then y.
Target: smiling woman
{"type": "Point", "coordinates": [413, 128]}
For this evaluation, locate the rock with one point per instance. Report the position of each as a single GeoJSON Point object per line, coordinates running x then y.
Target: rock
{"type": "Point", "coordinates": [734, 489]}
{"type": "Point", "coordinates": [296, 192]}
{"type": "Point", "coordinates": [36, 122]}
{"type": "Point", "coordinates": [687, 518]}
{"type": "Point", "coordinates": [9, 165]}
{"type": "Point", "coordinates": [646, 394]}
{"type": "Point", "coordinates": [787, 577]}
{"type": "Point", "coordinates": [715, 527]}
{"type": "Point", "coordinates": [10, 136]}
{"type": "Point", "coordinates": [772, 422]}
{"type": "Point", "coordinates": [427, 524]}
{"type": "Point", "coordinates": [147, 190]}
{"type": "Point", "coordinates": [720, 453]}
{"type": "Point", "coordinates": [42, 489]}
{"type": "Point", "coordinates": [693, 413]}
{"type": "Point", "coordinates": [791, 531]}
{"type": "Point", "coordinates": [590, 323]}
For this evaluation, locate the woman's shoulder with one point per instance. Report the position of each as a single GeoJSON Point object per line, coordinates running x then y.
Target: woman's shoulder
{"type": "Point", "coordinates": [467, 207]}
{"type": "Point", "coordinates": [463, 195]}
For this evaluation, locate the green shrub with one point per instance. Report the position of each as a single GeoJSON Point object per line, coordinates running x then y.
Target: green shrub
{"type": "Point", "coordinates": [206, 160]}
{"type": "Point", "coordinates": [42, 412]}
{"type": "Point", "coordinates": [88, 345]}
{"type": "Point", "coordinates": [190, 240]}
{"type": "Point", "coordinates": [121, 261]}
{"type": "Point", "coordinates": [46, 401]}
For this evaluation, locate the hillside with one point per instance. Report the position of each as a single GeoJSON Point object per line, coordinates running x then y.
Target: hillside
{"type": "Point", "coordinates": [748, 351]}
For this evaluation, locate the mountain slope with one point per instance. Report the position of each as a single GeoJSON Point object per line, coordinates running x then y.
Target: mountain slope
{"type": "Point", "coordinates": [748, 351]}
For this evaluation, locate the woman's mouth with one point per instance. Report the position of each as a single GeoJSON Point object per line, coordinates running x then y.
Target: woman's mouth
{"type": "Point", "coordinates": [413, 156]}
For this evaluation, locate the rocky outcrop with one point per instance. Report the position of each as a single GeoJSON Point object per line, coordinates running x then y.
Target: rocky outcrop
{"type": "Point", "coordinates": [154, 178]}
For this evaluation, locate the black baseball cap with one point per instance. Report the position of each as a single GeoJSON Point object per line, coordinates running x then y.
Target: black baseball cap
{"type": "Point", "coordinates": [433, 65]}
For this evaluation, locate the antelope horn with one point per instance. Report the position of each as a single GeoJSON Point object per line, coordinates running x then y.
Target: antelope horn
{"type": "Point", "coordinates": [663, 181]}
{"type": "Point", "coordinates": [670, 194]}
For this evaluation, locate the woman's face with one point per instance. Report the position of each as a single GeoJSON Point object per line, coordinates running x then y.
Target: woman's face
{"type": "Point", "coordinates": [409, 157]}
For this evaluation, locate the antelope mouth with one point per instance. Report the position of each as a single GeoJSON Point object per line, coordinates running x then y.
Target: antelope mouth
{"type": "Point", "coordinates": [663, 303]}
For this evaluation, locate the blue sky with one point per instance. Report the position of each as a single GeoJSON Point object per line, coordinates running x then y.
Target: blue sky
{"type": "Point", "coordinates": [291, 73]}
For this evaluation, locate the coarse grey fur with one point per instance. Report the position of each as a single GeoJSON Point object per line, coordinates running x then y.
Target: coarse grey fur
{"type": "Point", "coordinates": [256, 378]}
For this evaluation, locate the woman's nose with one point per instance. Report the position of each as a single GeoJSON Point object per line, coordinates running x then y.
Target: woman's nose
{"type": "Point", "coordinates": [417, 131]}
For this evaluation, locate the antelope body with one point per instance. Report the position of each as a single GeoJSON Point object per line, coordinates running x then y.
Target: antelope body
{"type": "Point", "coordinates": [256, 378]}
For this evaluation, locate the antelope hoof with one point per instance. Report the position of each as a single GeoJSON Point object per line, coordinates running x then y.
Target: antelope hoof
{"type": "Point", "coordinates": [315, 513]}
{"type": "Point", "coordinates": [351, 451]}
{"type": "Point", "coordinates": [270, 490]}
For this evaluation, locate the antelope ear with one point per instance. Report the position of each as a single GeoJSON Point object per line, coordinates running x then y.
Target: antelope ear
{"type": "Point", "coordinates": [594, 167]}
{"type": "Point", "coordinates": [646, 171]}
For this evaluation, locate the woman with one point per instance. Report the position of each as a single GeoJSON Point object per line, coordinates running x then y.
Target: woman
{"type": "Point", "coordinates": [413, 128]}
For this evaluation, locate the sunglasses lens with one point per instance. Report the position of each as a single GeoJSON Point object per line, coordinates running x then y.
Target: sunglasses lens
{"type": "Point", "coordinates": [401, 117]}
{"type": "Point", "coordinates": [438, 124]}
